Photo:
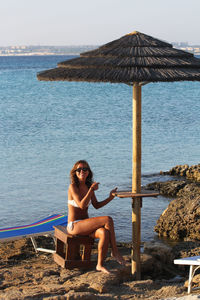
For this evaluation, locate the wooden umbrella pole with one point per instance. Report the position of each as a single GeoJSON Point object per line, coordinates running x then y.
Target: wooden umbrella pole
{"type": "Point", "coordinates": [136, 182]}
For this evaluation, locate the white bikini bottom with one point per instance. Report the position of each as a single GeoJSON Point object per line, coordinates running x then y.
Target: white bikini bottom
{"type": "Point", "coordinates": [70, 225]}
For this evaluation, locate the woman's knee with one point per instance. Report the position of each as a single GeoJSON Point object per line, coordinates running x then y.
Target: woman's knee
{"type": "Point", "coordinates": [109, 220]}
{"type": "Point", "coordinates": [102, 233]}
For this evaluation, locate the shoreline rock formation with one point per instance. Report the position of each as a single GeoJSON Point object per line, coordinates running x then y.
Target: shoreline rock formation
{"type": "Point", "coordinates": [189, 172]}
{"type": "Point", "coordinates": [181, 219]}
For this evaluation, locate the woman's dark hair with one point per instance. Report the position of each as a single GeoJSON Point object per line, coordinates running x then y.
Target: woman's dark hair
{"type": "Point", "coordinates": [74, 178]}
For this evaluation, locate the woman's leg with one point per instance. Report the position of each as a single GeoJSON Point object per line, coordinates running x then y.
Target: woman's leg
{"type": "Point", "coordinates": [87, 226]}
{"type": "Point", "coordinates": [103, 235]}
{"type": "Point", "coordinates": [115, 252]}
{"type": "Point", "coordinates": [90, 225]}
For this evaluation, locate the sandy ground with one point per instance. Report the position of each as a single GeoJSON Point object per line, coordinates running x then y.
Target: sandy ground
{"type": "Point", "coordinates": [27, 275]}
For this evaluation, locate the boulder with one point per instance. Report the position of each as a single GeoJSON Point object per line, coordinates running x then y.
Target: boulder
{"type": "Point", "coordinates": [189, 172]}
{"type": "Point", "coordinates": [186, 249]}
{"type": "Point", "coordinates": [181, 219]}
{"type": "Point", "coordinates": [167, 188]}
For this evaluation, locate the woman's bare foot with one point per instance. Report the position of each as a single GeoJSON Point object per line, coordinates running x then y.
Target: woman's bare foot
{"type": "Point", "coordinates": [119, 258]}
{"type": "Point", "coordinates": [102, 269]}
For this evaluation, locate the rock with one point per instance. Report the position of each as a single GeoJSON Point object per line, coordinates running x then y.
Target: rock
{"type": "Point", "coordinates": [56, 297]}
{"type": "Point", "coordinates": [186, 249]}
{"type": "Point", "coordinates": [195, 282]}
{"type": "Point", "coordinates": [190, 172]}
{"type": "Point", "coordinates": [167, 188]}
{"type": "Point", "coordinates": [177, 279]}
{"type": "Point", "coordinates": [159, 250]}
{"type": "Point", "coordinates": [190, 190]}
{"type": "Point", "coordinates": [157, 260]}
{"type": "Point", "coordinates": [11, 295]}
{"type": "Point", "coordinates": [181, 219]}
{"type": "Point", "coordinates": [80, 296]}
{"type": "Point", "coordinates": [52, 287]}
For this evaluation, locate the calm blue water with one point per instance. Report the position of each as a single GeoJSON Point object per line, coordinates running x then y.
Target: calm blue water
{"type": "Point", "coordinates": [46, 126]}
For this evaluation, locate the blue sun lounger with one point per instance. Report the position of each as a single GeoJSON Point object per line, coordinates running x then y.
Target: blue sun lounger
{"type": "Point", "coordinates": [42, 227]}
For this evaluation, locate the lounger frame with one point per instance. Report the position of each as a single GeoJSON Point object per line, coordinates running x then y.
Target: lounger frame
{"type": "Point", "coordinates": [194, 263]}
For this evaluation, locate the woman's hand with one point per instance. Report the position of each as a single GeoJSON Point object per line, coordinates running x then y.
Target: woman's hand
{"type": "Point", "coordinates": [95, 186]}
{"type": "Point", "coordinates": [112, 193]}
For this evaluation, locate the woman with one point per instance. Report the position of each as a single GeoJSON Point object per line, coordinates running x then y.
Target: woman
{"type": "Point", "coordinates": [80, 194]}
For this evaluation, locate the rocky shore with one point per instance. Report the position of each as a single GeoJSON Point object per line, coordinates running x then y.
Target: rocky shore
{"type": "Point", "coordinates": [189, 172]}
{"type": "Point", "coordinates": [27, 275]}
{"type": "Point", "coordinates": [181, 219]}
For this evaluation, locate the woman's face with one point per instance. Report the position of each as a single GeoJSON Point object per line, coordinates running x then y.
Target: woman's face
{"type": "Point", "coordinates": [82, 172]}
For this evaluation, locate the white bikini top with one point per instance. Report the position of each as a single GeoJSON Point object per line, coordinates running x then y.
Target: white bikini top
{"type": "Point", "coordinates": [74, 204]}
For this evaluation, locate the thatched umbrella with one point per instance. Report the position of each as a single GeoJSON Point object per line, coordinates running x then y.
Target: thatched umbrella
{"type": "Point", "coordinates": [134, 59]}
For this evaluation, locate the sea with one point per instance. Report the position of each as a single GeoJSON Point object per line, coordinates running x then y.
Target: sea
{"type": "Point", "coordinates": [45, 127]}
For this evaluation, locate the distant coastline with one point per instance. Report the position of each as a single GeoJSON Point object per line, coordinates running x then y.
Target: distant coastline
{"type": "Point", "coordinates": [44, 50]}
{"type": "Point", "coordinates": [72, 50]}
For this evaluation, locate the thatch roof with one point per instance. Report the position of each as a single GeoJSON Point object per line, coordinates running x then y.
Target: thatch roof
{"type": "Point", "coordinates": [135, 57]}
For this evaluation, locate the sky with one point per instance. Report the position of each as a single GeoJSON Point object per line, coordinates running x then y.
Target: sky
{"type": "Point", "coordinates": [95, 22]}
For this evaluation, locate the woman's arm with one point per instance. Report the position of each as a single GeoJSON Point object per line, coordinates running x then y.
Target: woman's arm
{"type": "Point", "coordinates": [100, 204]}
{"type": "Point", "coordinates": [74, 194]}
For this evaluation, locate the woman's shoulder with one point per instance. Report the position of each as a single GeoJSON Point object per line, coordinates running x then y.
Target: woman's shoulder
{"type": "Point", "coordinates": [70, 191]}
{"type": "Point", "coordinates": [72, 187]}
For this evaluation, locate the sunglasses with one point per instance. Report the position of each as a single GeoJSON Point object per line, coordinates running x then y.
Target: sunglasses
{"type": "Point", "coordinates": [82, 169]}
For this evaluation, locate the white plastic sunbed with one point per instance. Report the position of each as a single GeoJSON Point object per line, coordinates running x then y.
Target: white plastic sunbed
{"type": "Point", "coordinates": [194, 263]}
